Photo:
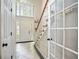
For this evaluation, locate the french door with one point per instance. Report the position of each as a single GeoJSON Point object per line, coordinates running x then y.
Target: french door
{"type": "Point", "coordinates": [6, 29]}
{"type": "Point", "coordinates": [63, 29]}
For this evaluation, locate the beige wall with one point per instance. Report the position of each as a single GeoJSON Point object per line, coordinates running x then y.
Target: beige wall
{"type": "Point", "coordinates": [43, 4]}
{"type": "Point", "coordinates": [37, 9]}
{"type": "Point", "coordinates": [41, 40]}
{"type": "Point", "coordinates": [39, 5]}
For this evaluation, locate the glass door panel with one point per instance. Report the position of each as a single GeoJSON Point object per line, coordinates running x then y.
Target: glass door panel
{"type": "Point", "coordinates": [59, 5]}
{"type": "Point", "coordinates": [71, 17]}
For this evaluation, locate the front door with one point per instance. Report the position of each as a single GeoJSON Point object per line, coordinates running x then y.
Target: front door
{"type": "Point", "coordinates": [6, 32]}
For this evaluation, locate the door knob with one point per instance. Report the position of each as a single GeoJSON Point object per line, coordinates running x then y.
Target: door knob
{"type": "Point", "coordinates": [4, 44]}
{"type": "Point", "coordinates": [48, 39]}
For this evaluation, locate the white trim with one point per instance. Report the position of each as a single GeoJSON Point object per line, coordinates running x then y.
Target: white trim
{"type": "Point", "coordinates": [65, 28]}
{"type": "Point", "coordinates": [76, 3]}
{"type": "Point", "coordinates": [53, 56]}
{"type": "Point", "coordinates": [52, 1]}
{"type": "Point", "coordinates": [64, 47]}
{"type": "Point", "coordinates": [48, 31]}
{"type": "Point", "coordinates": [41, 51]}
{"type": "Point", "coordinates": [61, 11]}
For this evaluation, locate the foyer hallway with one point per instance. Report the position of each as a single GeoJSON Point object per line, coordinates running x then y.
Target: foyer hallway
{"type": "Point", "coordinates": [39, 29]}
{"type": "Point", "coordinates": [26, 51]}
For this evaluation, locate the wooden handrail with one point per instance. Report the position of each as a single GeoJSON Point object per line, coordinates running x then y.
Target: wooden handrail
{"type": "Point", "coordinates": [42, 14]}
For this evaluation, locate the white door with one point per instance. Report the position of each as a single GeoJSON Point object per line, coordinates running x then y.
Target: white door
{"type": "Point", "coordinates": [25, 31]}
{"type": "Point", "coordinates": [63, 29]}
{"type": "Point", "coordinates": [6, 32]}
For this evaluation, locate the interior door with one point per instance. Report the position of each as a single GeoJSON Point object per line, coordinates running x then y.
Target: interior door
{"type": "Point", "coordinates": [63, 29]}
{"type": "Point", "coordinates": [25, 31]}
{"type": "Point", "coordinates": [6, 29]}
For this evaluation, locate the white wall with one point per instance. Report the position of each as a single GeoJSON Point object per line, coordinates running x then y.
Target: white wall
{"type": "Point", "coordinates": [26, 25]}
{"type": "Point", "coordinates": [0, 29]}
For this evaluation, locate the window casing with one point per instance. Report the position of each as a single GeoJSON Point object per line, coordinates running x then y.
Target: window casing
{"type": "Point", "coordinates": [24, 8]}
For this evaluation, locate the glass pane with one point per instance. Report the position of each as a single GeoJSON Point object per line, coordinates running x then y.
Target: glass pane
{"type": "Point", "coordinates": [53, 34]}
{"type": "Point", "coordinates": [59, 19]}
{"type": "Point", "coordinates": [58, 52]}
{"type": "Point", "coordinates": [70, 55]}
{"type": "Point", "coordinates": [52, 9]}
{"type": "Point", "coordinates": [25, 8]}
{"type": "Point", "coordinates": [69, 2]}
{"type": "Point", "coordinates": [71, 17]}
{"type": "Point", "coordinates": [71, 39]}
{"type": "Point", "coordinates": [59, 36]}
{"type": "Point", "coordinates": [59, 5]}
{"type": "Point", "coordinates": [51, 57]}
{"type": "Point", "coordinates": [52, 48]}
{"type": "Point", "coordinates": [53, 23]}
{"type": "Point", "coordinates": [32, 10]}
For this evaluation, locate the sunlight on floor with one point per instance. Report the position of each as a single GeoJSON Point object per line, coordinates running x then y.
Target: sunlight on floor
{"type": "Point", "coordinates": [26, 51]}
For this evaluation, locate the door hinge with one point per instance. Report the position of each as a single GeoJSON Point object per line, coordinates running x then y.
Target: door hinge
{"type": "Point", "coordinates": [11, 57]}
{"type": "Point", "coordinates": [11, 33]}
{"type": "Point", "coordinates": [11, 10]}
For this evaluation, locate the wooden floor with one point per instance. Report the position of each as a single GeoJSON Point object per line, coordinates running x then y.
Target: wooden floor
{"type": "Point", "coordinates": [26, 51]}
